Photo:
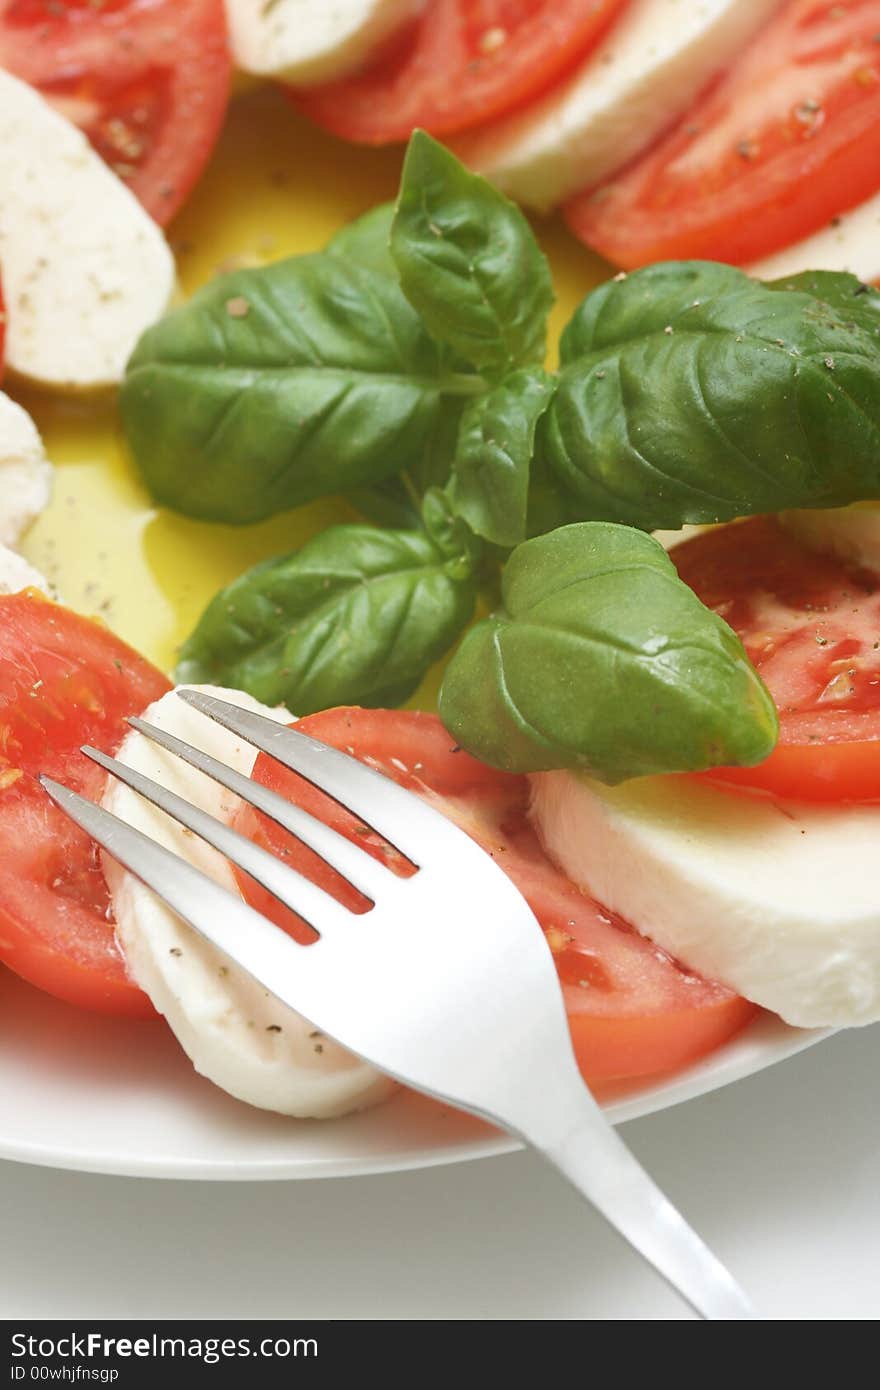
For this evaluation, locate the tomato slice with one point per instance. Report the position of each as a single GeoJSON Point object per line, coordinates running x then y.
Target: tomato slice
{"type": "Point", "coordinates": [64, 681]}
{"type": "Point", "coordinates": [633, 1011]}
{"type": "Point", "coordinates": [459, 62]}
{"type": "Point", "coordinates": [781, 145]}
{"type": "Point", "coordinates": [147, 80]}
{"type": "Point", "coordinates": [811, 626]}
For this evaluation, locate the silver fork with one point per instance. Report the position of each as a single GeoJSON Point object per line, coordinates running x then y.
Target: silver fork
{"type": "Point", "coordinates": [442, 1016]}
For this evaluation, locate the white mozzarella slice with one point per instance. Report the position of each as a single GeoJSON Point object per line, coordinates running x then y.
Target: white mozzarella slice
{"type": "Point", "coordinates": [646, 73]}
{"type": "Point", "coordinates": [233, 1030]}
{"type": "Point", "coordinates": [779, 900]}
{"type": "Point", "coordinates": [25, 472]}
{"type": "Point", "coordinates": [670, 539]}
{"type": "Point", "coordinates": [16, 574]}
{"type": "Point", "coordinates": [84, 269]}
{"type": "Point", "coordinates": [852, 533]}
{"type": "Point", "coordinates": [307, 43]}
{"type": "Point", "coordinates": [851, 242]}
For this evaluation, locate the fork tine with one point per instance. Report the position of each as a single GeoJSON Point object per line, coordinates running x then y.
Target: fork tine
{"type": "Point", "coordinates": [221, 917]}
{"type": "Point", "coordinates": [366, 873]}
{"type": "Point", "coordinates": [398, 815]}
{"type": "Point", "coordinates": [283, 882]}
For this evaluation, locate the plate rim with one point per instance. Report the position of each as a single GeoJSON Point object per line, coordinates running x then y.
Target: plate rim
{"type": "Point", "coordinates": [712, 1073]}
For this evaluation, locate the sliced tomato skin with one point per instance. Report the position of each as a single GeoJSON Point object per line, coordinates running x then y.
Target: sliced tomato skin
{"type": "Point", "coordinates": [146, 80]}
{"type": "Point", "coordinates": [811, 772]}
{"type": "Point", "coordinates": [66, 950]}
{"type": "Point", "coordinates": [632, 1010]}
{"type": "Point", "coordinates": [811, 626]}
{"type": "Point", "coordinates": [64, 681]}
{"type": "Point", "coordinates": [776, 149]}
{"type": "Point", "coordinates": [616, 1049]}
{"type": "Point", "coordinates": [458, 63]}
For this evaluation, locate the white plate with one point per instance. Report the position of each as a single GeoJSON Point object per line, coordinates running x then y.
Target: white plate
{"type": "Point", "coordinates": [111, 1096]}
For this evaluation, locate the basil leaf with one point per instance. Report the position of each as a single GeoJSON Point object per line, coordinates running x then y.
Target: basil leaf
{"type": "Point", "coordinates": [389, 503]}
{"type": "Point", "coordinates": [275, 386]}
{"type": "Point", "coordinates": [469, 262]}
{"type": "Point", "coordinates": [549, 506]}
{"type": "Point", "coordinates": [395, 502]}
{"type": "Point", "coordinates": [451, 535]}
{"type": "Point", "coordinates": [641, 302]}
{"type": "Point", "coordinates": [602, 659]}
{"type": "Point", "coordinates": [694, 394]}
{"type": "Point", "coordinates": [489, 487]}
{"type": "Point", "coordinates": [856, 302]}
{"type": "Point", "coordinates": [355, 617]}
{"type": "Point", "coordinates": [367, 241]}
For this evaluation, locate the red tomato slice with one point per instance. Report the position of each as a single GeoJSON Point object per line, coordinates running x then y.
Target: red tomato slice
{"type": "Point", "coordinates": [811, 626]}
{"type": "Point", "coordinates": [458, 63]}
{"type": "Point", "coordinates": [633, 1011]}
{"type": "Point", "coordinates": [64, 681]}
{"type": "Point", "coordinates": [776, 149]}
{"type": "Point", "coordinates": [147, 80]}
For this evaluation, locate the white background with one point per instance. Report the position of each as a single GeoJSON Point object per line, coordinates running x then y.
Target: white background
{"type": "Point", "coordinates": [780, 1173]}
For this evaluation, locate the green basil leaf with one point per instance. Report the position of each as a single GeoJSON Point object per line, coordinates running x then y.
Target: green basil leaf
{"type": "Point", "coordinates": [395, 502]}
{"type": "Point", "coordinates": [469, 262]}
{"type": "Point", "coordinates": [602, 659]}
{"type": "Point", "coordinates": [549, 506]}
{"type": "Point", "coordinates": [635, 304]}
{"type": "Point", "coordinates": [367, 241]}
{"type": "Point", "coordinates": [856, 302]}
{"type": "Point", "coordinates": [694, 394]}
{"type": "Point", "coordinates": [451, 535]}
{"type": "Point", "coordinates": [275, 386]}
{"type": "Point", "coordinates": [389, 503]}
{"type": "Point", "coordinates": [489, 487]}
{"type": "Point", "coordinates": [355, 617]}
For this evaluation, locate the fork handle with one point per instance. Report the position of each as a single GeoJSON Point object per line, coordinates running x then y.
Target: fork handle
{"type": "Point", "coordinates": [598, 1164]}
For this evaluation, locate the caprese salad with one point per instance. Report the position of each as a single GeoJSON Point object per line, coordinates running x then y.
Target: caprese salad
{"type": "Point", "coordinates": [672, 748]}
{"type": "Point", "coordinates": [761, 888]}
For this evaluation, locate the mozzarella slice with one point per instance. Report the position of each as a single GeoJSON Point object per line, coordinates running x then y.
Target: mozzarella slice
{"type": "Point", "coordinates": [307, 43]}
{"type": "Point", "coordinates": [646, 73]}
{"type": "Point", "coordinates": [25, 472]}
{"type": "Point", "coordinates": [779, 900]}
{"type": "Point", "coordinates": [84, 269]}
{"type": "Point", "coordinates": [852, 533]}
{"type": "Point", "coordinates": [851, 242]}
{"type": "Point", "coordinates": [670, 539]}
{"type": "Point", "coordinates": [17, 574]}
{"type": "Point", "coordinates": [233, 1030]}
